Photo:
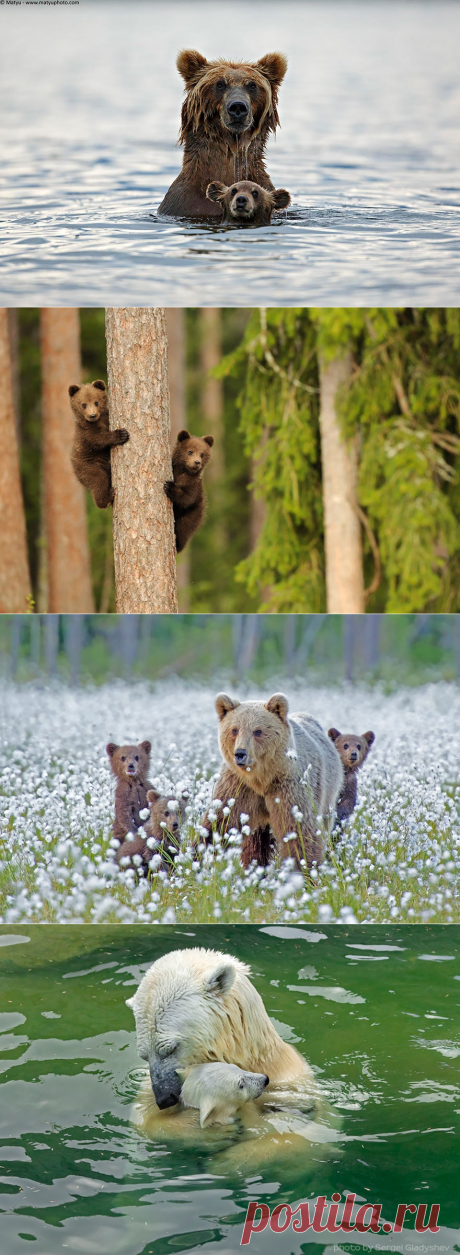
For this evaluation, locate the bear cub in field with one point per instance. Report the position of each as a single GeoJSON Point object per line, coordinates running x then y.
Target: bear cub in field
{"type": "Point", "coordinates": [353, 751]}
{"type": "Point", "coordinates": [92, 442]}
{"type": "Point", "coordinates": [130, 765]}
{"type": "Point", "coordinates": [247, 203]}
{"type": "Point", "coordinates": [219, 1089]}
{"type": "Point", "coordinates": [190, 456]}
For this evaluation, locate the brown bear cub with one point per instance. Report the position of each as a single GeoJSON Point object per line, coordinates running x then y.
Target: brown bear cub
{"type": "Point", "coordinates": [190, 456]}
{"type": "Point", "coordinates": [130, 765]}
{"type": "Point", "coordinates": [164, 841]}
{"type": "Point", "coordinates": [247, 202]}
{"type": "Point", "coordinates": [229, 109]}
{"type": "Point", "coordinates": [92, 442]}
{"type": "Point", "coordinates": [353, 751]}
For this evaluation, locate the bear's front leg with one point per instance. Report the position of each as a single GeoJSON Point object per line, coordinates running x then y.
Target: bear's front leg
{"type": "Point", "coordinates": [304, 843]}
{"type": "Point", "coordinates": [169, 487]}
{"type": "Point", "coordinates": [346, 801]}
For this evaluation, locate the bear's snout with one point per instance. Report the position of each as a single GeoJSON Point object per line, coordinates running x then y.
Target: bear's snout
{"type": "Point", "coordinates": [236, 114]}
{"type": "Point", "coordinates": [241, 201]}
{"type": "Point", "coordinates": [165, 1084]}
{"type": "Point", "coordinates": [353, 756]}
{"type": "Point", "coordinates": [238, 109]}
{"type": "Point", "coordinates": [241, 757]}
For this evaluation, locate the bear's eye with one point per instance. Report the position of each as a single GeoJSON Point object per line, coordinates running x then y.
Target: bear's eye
{"type": "Point", "coordinates": [234, 731]}
{"type": "Point", "coordinates": [221, 85]}
{"type": "Point", "coordinates": [241, 1084]}
{"type": "Point", "coordinates": [358, 747]}
{"type": "Point", "coordinates": [345, 746]}
{"type": "Point", "coordinates": [123, 758]}
{"type": "Point", "coordinates": [251, 86]}
{"type": "Point", "coordinates": [83, 405]}
{"type": "Point", "coordinates": [255, 194]}
{"type": "Point", "coordinates": [96, 403]}
{"type": "Point", "coordinates": [233, 191]}
{"type": "Point", "coordinates": [258, 732]}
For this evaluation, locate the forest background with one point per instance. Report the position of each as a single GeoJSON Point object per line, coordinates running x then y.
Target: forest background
{"type": "Point", "coordinates": [257, 379]}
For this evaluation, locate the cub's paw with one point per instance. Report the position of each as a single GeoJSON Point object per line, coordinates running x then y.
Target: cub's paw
{"type": "Point", "coordinates": [122, 435]}
{"type": "Point", "coordinates": [169, 488]}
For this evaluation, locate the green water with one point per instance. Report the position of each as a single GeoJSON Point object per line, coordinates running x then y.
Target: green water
{"type": "Point", "coordinates": [380, 1026]}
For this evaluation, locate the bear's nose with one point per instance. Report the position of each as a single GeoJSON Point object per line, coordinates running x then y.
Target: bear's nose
{"type": "Point", "coordinates": [267, 1080]}
{"type": "Point", "coordinates": [238, 109]}
{"type": "Point", "coordinates": [241, 756]}
{"type": "Point", "coordinates": [168, 1100]}
{"type": "Point", "coordinates": [353, 756]}
{"type": "Point", "coordinates": [175, 827]}
{"type": "Point", "coordinates": [197, 462]}
{"type": "Point", "coordinates": [241, 202]}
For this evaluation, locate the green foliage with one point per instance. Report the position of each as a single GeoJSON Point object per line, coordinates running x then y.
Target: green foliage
{"type": "Point", "coordinates": [404, 401]}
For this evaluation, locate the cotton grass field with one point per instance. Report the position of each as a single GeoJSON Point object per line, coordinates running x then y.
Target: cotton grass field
{"type": "Point", "coordinates": [397, 859]}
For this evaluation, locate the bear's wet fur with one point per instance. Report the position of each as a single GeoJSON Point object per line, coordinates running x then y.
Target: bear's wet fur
{"type": "Point", "coordinates": [164, 841]}
{"type": "Point", "coordinates": [189, 457]}
{"type": "Point", "coordinates": [247, 204]}
{"type": "Point", "coordinates": [353, 751]}
{"type": "Point", "coordinates": [93, 440]}
{"type": "Point", "coordinates": [130, 765]}
{"type": "Point", "coordinates": [267, 755]}
{"type": "Point", "coordinates": [227, 115]}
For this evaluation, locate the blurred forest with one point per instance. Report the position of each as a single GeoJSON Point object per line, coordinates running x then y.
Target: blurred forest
{"type": "Point", "coordinates": [75, 649]}
{"type": "Point", "coordinates": [333, 484]}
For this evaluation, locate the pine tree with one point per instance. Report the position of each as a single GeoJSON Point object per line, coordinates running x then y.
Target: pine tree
{"type": "Point", "coordinates": [15, 587]}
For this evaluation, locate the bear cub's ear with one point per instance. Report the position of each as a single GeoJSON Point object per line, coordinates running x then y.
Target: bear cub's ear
{"type": "Point", "coordinates": [74, 387]}
{"type": "Point", "coordinates": [146, 746]}
{"type": "Point", "coordinates": [209, 440]}
{"type": "Point", "coordinates": [224, 704]}
{"type": "Point", "coordinates": [183, 435]}
{"type": "Point", "coordinates": [152, 796]}
{"type": "Point", "coordinates": [278, 705]}
{"type": "Point", "coordinates": [281, 198]}
{"type": "Point", "coordinates": [369, 737]}
{"type": "Point", "coordinates": [191, 65]}
{"type": "Point", "coordinates": [273, 66]}
{"type": "Point", "coordinates": [110, 748]}
{"type": "Point", "coordinates": [216, 191]}
{"type": "Point", "coordinates": [333, 733]}
{"type": "Point", "coordinates": [99, 383]}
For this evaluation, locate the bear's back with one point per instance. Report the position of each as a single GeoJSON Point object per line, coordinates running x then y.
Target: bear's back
{"type": "Point", "coordinates": [316, 752]}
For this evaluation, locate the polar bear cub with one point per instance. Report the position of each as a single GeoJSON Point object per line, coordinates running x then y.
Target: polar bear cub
{"type": "Point", "coordinates": [219, 1089]}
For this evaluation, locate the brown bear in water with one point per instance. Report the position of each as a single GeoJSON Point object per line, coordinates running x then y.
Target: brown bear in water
{"type": "Point", "coordinates": [247, 203]}
{"type": "Point", "coordinates": [93, 440]}
{"type": "Point", "coordinates": [189, 458]}
{"type": "Point", "coordinates": [353, 752]}
{"type": "Point", "coordinates": [130, 765]}
{"type": "Point", "coordinates": [282, 772]}
{"type": "Point", "coordinates": [227, 115]}
{"type": "Point", "coordinates": [158, 840]}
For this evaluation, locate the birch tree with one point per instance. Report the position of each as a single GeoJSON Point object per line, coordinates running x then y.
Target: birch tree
{"type": "Point", "coordinates": [66, 537]}
{"type": "Point", "coordinates": [14, 566]}
{"type": "Point", "coordinates": [143, 529]}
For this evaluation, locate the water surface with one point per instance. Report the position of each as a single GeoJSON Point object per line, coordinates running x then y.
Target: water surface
{"type": "Point", "coordinates": [369, 149]}
{"type": "Point", "coordinates": [375, 1010]}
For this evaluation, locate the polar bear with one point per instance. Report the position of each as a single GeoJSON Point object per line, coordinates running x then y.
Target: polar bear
{"type": "Point", "coordinates": [218, 1090]}
{"type": "Point", "coordinates": [283, 772]}
{"type": "Point", "coordinates": [198, 1006]}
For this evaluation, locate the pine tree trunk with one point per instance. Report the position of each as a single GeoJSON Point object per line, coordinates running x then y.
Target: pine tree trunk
{"type": "Point", "coordinates": [212, 390]}
{"type": "Point", "coordinates": [14, 566]}
{"type": "Point", "coordinates": [175, 329]}
{"type": "Point", "coordinates": [67, 549]}
{"type": "Point", "coordinates": [342, 529]}
{"type": "Point", "coordinates": [143, 527]}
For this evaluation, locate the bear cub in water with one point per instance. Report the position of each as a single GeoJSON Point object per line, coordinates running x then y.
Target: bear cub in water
{"type": "Point", "coordinates": [92, 442]}
{"type": "Point", "coordinates": [353, 751]}
{"type": "Point", "coordinates": [247, 202]}
{"type": "Point", "coordinates": [190, 456]}
{"type": "Point", "coordinates": [219, 1089]}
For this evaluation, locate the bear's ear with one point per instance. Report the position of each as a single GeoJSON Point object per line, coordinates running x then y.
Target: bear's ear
{"type": "Point", "coordinates": [281, 198]}
{"type": "Point", "coordinates": [152, 796]}
{"type": "Point", "coordinates": [191, 65]}
{"type": "Point", "coordinates": [209, 440]}
{"type": "Point", "coordinates": [278, 705]}
{"type": "Point", "coordinates": [273, 66]}
{"type": "Point", "coordinates": [111, 747]}
{"type": "Point", "coordinates": [145, 745]}
{"type": "Point", "coordinates": [216, 191]}
{"type": "Point", "coordinates": [183, 435]}
{"type": "Point", "coordinates": [224, 704]}
{"type": "Point", "coordinates": [333, 733]}
{"type": "Point", "coordinates": [369, 737]}
{"type": "Point", "coordinates": [99, 383]}
{"type": "Point", "coordinates": [74, 387]}
{"type": "Point", "coordinates": [220, 980]}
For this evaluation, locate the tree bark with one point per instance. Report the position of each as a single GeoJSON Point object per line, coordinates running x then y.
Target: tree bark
{"type": "Point", "coordinates": [14, 566]}
{"type": "Point", "coordinates": [212, 390]}
{"type": "Point", "coordinates": [143, 527]}
{"type": "Point", "coordinates": [175, 329]}
{"type": "Point", "coordinates": [67, 549]}
{"type": "Point", "coordinates": [342, 529]}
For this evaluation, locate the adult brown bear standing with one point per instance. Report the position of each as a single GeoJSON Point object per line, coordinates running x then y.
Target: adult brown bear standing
{"type": "Point", "coordinates": [227, 115]}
